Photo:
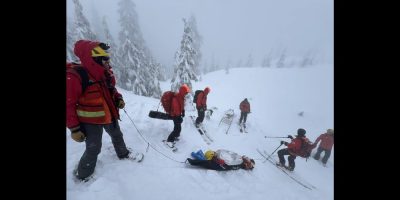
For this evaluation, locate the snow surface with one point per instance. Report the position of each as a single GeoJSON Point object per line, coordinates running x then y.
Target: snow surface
{"type": "Point", "coordinates": [276, 97]}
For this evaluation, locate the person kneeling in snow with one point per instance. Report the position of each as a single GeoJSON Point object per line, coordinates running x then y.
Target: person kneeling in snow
{"type": "Point", "coordinates": [221, 160]}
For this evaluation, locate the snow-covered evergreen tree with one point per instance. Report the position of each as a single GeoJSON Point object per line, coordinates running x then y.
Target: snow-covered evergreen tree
{"type": "Point", "coordinates": [308, 59]}
{"type": "Point", "coordinates": [249, 62]}
{"type": "Point", "coordinates": [281, 61]}
{"type": "Point", "coordinates": [184, 61]}
{"type": "Point", "coordinates": [197, 41]}
{"type": "Point", "coordinates": [115, 59]}
{"type": "Point", "coordinates": [70, 43]}
{"type": "Point", "coordinates": [136, 68]}
{"type": "Point", "coordinates": [81, 28]}
{"type": "Point", "coordinates": [267, 60]}
{"type": "Point", "coordinates": [96, 22]}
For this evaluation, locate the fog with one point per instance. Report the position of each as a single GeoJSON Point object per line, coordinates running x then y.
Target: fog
{"type": "Point", "coordinates": [231, 29]}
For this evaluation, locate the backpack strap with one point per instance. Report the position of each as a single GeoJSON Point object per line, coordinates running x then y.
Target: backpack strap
{"type": "Point", "coordinates": [84, 77]}
{"type": "Point", "coordinates": [83, 74]}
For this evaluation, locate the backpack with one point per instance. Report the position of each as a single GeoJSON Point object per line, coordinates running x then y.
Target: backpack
{"type": "Point", "coordinates": [306, 148]}
{"type": "Point", "coordinates": [196, 94]}
{"type": "Point", "coordinates": [166, 100]}
{"type": "Point", "coordinates": [76, 68]}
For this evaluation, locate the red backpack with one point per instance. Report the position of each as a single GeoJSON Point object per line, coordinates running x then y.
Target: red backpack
{"type": "Point", "coordinates": [166, 101]}
{"type": "Point", "coordinates": [79, 70]}
{"type": "Point", "coordinates": [306, 148]}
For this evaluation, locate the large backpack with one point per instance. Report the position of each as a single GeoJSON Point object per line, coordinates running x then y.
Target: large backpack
{"type": "Point", "coordinates": [196, 94]}
{"type": "Point", "coordinates": [166, 101]}
{"type": "Point", "coordinates": [306, 148]}
{"type": "Point", "coordinates": [78, 69]}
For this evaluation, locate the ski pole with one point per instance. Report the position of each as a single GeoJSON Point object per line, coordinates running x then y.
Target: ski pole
{"type": "Point", "coordinates": [273, 152]}
{"type": "Point", "coordinates": [274, 137]}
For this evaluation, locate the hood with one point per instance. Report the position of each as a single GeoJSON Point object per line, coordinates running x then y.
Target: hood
{"type": "Point", "coordinates": [83, 50]}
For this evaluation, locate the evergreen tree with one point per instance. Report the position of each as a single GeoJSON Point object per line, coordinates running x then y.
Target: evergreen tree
{"type": "Point", "coordinates": [197, 41]}
{"type": "Point", "coordinates": [308, 59]}
{"type": "Point", "coordinates": [184, 61]}
{"type": "Point", "coordinates": [81, 28]}
{"type": "Point", "coordinates": [249, 62]}
{"type": "Point", "coordinates": [282, 58]}
{"type": "Point", "coordinates": [137, 71]}
{"type": "Point", "coordinates": [96, 22]}
{"type": "Point", "coordinates": [70, 43]}
{"type": "Point", "coordinates": [115, 59]}
{"type": "Point", "coordinates": [267, 60]}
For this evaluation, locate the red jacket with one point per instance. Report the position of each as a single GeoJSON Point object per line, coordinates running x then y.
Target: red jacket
{"type": "Point", "coordinates": [97, 104]}
{"type": "Point", "coordinates": [201, 100]}
{"type": "Point", "coordinates": [245, 106]}
{"type": "Point", "coordinates": [326, 141]}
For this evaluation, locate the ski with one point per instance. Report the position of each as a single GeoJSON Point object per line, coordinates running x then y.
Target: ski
{"type": "Point", "coordinates": [284, 170]}
{"type": "Point", "coordinates": [203, 133]}
{"type": "Point", "coordinates": [171, 147]}
{"type": "Point", "coordinates": [206, 134]}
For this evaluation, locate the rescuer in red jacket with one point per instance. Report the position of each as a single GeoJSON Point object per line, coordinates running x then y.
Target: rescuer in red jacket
{"type": "Point", "coordinates": [93, 108]}
{"type": "Point", "coordinates": [325, 145]}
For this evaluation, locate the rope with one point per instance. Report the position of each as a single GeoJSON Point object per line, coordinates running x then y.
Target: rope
{"type": "Point", "coordinates": [148, 143]}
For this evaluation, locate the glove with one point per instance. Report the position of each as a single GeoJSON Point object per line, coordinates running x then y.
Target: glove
{"type": "Point", "coordinates": [183, 113]}
{"type": "Point", "coordinates": [289, 136]}
{"type": "Point", "coordinates": [282, 142]}
{"type": "Point", "coordinates": [77, 134]}
{"type": "Point", "coordinates": [121, 104]}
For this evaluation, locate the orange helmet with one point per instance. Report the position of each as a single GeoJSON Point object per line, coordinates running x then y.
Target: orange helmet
{"type": "Point", "coordinates": [184, 89]}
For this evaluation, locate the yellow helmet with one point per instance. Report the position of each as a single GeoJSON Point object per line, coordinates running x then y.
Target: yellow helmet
{"type": "Point", "coordinates": [98, 51]}
{"type": "Point", "coordinates": [209, 154]}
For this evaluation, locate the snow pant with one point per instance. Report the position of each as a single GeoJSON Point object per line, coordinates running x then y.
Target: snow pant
{"type": "Point", "coordinates": [200, 118]}
{"type": "Point", "coordinates": [291, 157]}
{"type": "Point", "coordinates": [243, 116]}
{"type": "Point", "coordinates": [94, 134]}
{"type": "Point", "coordinates": [326, 155]}
{"type": "Point", "coordinates": [177, 129]}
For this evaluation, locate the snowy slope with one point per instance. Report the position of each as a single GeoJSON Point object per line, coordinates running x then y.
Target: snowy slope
{"type": "Point", "coordinates": [276, 97]}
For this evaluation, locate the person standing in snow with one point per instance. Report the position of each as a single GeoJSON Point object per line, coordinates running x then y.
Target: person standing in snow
{"type": "Point", "coordinates": [293, 149]}
{"type": "Point", "coordinates": [94, 108]}
{"type": "Point", "coordinates": [178, 112]}
{"type": "Point", "coordinates": [222, 160]}
{"type": "Point", "coordinates": [325, 145]}
{"type": "Point", "coordinates": [244, 110]}
{"type": "Point", "coordinates": [201, 106]}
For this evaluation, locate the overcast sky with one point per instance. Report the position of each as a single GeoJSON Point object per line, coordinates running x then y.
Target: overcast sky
{"type": "Point", "coordinates": [231, 29]}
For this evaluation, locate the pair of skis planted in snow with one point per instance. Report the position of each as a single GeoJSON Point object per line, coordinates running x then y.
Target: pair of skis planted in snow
{"type": "Point", "coordinates": [287, 172]}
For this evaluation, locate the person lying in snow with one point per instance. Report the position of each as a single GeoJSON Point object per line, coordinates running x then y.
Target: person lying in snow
{"type": "Point", "coordinates": [221, 160]}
